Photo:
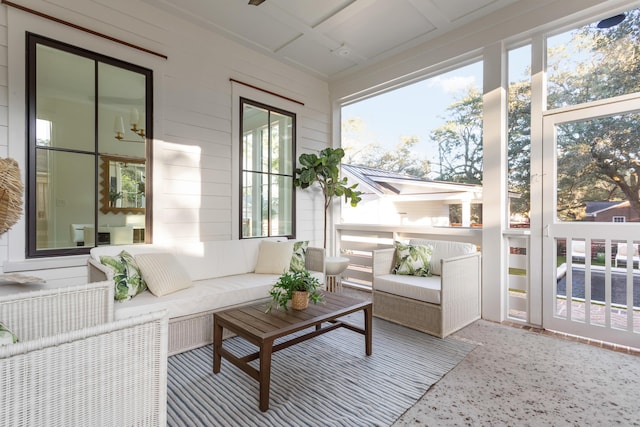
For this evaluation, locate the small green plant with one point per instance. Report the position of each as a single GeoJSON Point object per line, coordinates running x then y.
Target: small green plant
{"type": "Point", "coordinates": [290, 282]}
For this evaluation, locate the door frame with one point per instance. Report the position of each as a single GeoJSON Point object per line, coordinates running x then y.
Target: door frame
{"type": "Point", "coordinates": [553, 229]}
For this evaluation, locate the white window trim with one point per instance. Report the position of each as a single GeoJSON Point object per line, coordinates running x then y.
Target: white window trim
{"type": "Point", "coordinates": [240, 91]}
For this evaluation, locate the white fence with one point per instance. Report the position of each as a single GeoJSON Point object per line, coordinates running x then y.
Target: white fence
{"type": "Point", "coordinates": [358, 241]}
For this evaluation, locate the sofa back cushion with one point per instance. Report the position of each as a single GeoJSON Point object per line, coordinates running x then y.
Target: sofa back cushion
{"type": "Point", "coordinates": [219, 258]}
{"type": "Point", "coordinates": [443, 249]}
{"type": "Point", "coordinates": [114, 250]}
{"type": "Point", "coordinates": [201, 260]}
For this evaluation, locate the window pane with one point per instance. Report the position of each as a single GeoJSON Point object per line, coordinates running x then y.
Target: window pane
{"type": "Point", "coordinates": [268, 142]}
{"type": "Point", "coordinates": [591, 63]}
{"type": "Point", "coordinates": [281, 207]}
{"type": "Point", "coordinates": [65, 93]}
{"type": "Point", "coordinates": [68, 88]}
{"type": "Point", "coordinates": [281, 149]}
{"type": "Point", "coordinates": [254, 205]}
{"type": "Point", "coordinates": [121, 111]}
{"type": "Point", "coordinates": [255, 130]}
{"type": "Point", "coordinates": [61, 198]}
{"type": "Point", "coordinates": [597, 169]}
{"type": "Point", "coordinates": [519, 134]}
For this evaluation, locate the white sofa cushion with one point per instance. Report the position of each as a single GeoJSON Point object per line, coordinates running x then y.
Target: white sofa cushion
{"type": "Point", "coordinates": [223, 258]}
{"type": "Point", "coordinates": [442, 249]}
{"type": "Point", "coordinates": [113, 250]}
{"type": "Point", "coordinates": [420, 288]}
{"type": "Point", "coordinates": [203, 296]}
{"type": "Point", "coordinates": [162, 273]}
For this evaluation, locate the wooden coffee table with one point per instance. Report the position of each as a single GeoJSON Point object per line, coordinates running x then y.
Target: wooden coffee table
{"type": "Point", "coordinates": [262, 329]}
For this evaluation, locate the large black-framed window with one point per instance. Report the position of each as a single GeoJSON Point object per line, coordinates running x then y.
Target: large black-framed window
{"type": "Point", "coordinates": [89, 151]}
{"type": "Point", "coordinates": [267, 156]}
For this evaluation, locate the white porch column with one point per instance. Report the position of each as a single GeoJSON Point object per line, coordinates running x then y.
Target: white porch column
{"type": "Point", "coordinates": [494, 194]}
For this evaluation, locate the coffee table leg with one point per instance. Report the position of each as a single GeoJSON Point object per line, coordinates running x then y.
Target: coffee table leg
{"type": "Point", "coordinates": [368, 326]}
{"type": "Point", "coordinates": [266, 349]}
{"type": "Point", "coordinates": [217, 345]}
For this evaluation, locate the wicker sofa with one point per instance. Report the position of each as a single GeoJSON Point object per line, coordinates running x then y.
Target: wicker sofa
{"type": "Point", "coordinates": [75, 366]}
{"type": "Point", "coordinates": [438, 305]}
{"type": "Point", "coordinates": [222, 275]}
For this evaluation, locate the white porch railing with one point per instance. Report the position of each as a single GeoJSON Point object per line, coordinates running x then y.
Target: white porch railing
{"type": "Point", "coordinates": [358, 241]}
{"type": "Point", "coordinates": [518, 278]}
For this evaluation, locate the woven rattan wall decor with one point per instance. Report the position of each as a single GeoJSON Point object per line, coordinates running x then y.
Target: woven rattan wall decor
{"type": "Point", "coordinates": [10, 194]}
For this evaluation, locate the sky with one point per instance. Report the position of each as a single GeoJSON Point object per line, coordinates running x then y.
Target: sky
{"type": "Point", "coordinates": [416, 109]}
{"type": "Point", "coordinates": [413, 110]}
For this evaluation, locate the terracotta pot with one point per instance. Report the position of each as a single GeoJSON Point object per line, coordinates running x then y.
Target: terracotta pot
{"type": "Point", "coordinates": [300, 300]}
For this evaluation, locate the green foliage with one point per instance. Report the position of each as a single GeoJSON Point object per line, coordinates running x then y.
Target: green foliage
{"type": "Point", "coordinates": [325, 171]}
{"type": "Point", "coordinates": [403, 159]}
{"type": "Point", "coordinates": [598, 158]}
{"type": "Point", "coordinates": [460, 140]}
{"type": "Point", "coordinates": [290, 282]}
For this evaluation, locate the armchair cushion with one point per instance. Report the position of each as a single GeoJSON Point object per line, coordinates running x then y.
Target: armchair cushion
{"type": "Point", "coordinates": [425, 289]}
{"type": "Point", "coordinates": [412, 260]}
{"type": "Point", "coordinates": [127, 277]}
{"type": "Point", "coordinates": [6, 336]}
{"type": "Point", "coordinates": [163, 273]}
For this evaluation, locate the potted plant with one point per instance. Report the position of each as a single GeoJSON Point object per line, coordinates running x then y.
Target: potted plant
{"type": "Point", "coordinates": [325, 170]}
{"type": "Point", "coordinates": [299, 287]}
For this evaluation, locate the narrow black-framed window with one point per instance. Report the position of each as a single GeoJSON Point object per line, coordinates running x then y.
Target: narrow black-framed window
{"type": "Point", "coordinates": [267, 156]}
{"type": "Point", "coordinates": [89, 151]}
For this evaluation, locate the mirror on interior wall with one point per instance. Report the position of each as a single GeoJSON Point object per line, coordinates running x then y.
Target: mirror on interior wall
{"type": "Point", "coordinates": [123, 181]}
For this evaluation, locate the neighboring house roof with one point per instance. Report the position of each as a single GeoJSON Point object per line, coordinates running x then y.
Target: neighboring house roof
{"type": "Point", "coordinates": [387, 183]}
{"type": "Point", "coordinates": [595, 208]}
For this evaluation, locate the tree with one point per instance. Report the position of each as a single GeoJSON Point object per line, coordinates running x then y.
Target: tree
{"type": "Point", "coordinates": [519, 146]}
{"type": "Point", "coordinates": [598, 158]}
{"type": "Point", "coordinates": [460, 140]}
{"type": "Point", "coordinates": [402, 159]}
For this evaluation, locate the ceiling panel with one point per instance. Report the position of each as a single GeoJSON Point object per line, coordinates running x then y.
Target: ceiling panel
{"type": "Point", "coordinates": [396, 24]}
{"type": "Point", "coordinates": [315, 56]}
{"type": "Point", "coordinates": [312, 12]}
{"type": "Point", "coordinates": [458, 9]}
{"type": "Point", "coordinates": [310, 34]}
{"type": "Point", "coordinates": [235, 19]}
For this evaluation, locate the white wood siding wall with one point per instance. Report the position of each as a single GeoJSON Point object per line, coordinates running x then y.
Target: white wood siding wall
{"type": "Point", "coordinates": [193, 117]}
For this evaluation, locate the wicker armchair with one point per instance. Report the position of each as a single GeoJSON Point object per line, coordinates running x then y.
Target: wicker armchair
{"type": "Point", "coordinates": [75, 366]}
{"type": "Point", "coordinates": [438, 305]}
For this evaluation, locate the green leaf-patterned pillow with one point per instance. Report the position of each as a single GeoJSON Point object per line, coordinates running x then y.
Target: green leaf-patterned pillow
{"type": "Point", "coordinates": [299, 256]}
{"type": "Point", "coordinates": [6, 336]}
{"type": "Point", "coordinates": [127, 276]}
{"type": "Point", "coordinates": [412, 260]}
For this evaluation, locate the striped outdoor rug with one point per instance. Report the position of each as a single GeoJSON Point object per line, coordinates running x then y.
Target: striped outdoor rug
{"type": "Point", "coordinates": [325, 381]}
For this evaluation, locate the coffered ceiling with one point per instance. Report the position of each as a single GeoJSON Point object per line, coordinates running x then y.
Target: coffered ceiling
{"type": "Point", "coordinates": [331, 38]}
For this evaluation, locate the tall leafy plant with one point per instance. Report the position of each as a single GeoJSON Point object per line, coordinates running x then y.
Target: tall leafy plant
{"type": "Point", "coordinates": [324, 169]}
